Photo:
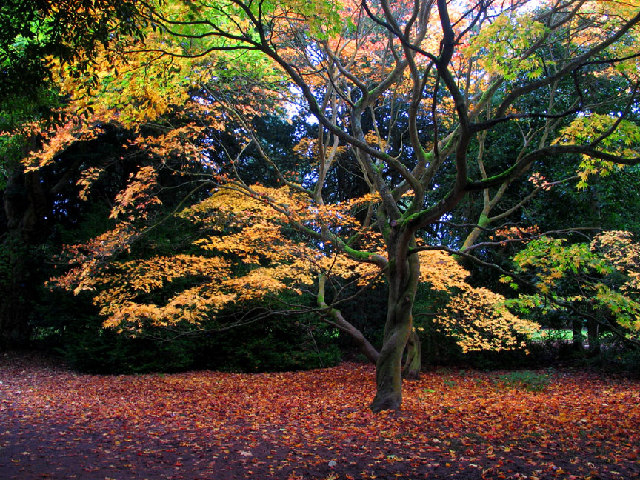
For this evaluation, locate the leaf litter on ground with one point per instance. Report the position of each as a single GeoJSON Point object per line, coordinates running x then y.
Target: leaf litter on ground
{"type": "Point", "coordinates": [58, 424]}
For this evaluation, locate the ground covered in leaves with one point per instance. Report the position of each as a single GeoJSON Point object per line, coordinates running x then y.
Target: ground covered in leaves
{"type": "Point", "coordinates": [314, 425]}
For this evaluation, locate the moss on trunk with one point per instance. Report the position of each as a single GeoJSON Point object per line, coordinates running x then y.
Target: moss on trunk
{"type": "Point", "coordinates": [403, 276]}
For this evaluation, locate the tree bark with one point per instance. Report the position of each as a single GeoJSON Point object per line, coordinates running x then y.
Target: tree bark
{"type": "Point", "coordinates": [483, 222]}
{"type": "Point", "coordinates": [413, 357]}
{"type": "Point", "coordinates": [389, 364]}
{"type": "Point", "coordinates": [403, 276]}
{"type": "Point", "coordinates": [593, 336]}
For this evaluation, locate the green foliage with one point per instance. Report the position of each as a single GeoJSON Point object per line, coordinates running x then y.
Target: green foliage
{"type": "Point", "coordinates": [16, 112]}
{"type": "Point", "coordinates": [94, 350]}
{"type": "Point", "coordinates": [31, 31]}
{"type": "Point", "coordinates": [22, 273]}
{"type": "Point", "coordinates": [602, 274]}
{"type": "Point", "coordinates": [616, 358]}
{"type": "Point", "coordinates": [624, 142]}
{"type": "Point", "coordinates": [555, 259]}
{"type": "Point", "coordinates": [503, 45]}
{"type": "Point", "coordinates": [277, 344]}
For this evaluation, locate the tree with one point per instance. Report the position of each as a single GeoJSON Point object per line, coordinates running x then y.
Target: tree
{"type": "Point", "coordinates": [245, 253]}
{"type": "Point", "coordinates": [597, 282]}
{"type": "Point", "coordinates": [32, 32]}
{"type": "Point", "coordinates": [466, 69]}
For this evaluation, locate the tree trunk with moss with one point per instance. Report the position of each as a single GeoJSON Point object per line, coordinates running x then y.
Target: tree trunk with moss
{"type": "Point", "coordinates": [483, 222]}
{"type": "Point", "coordinates": [403, 276]}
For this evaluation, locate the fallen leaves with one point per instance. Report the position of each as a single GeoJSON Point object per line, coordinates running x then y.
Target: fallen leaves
{"type": "Point", "coordinates": [316, 424]}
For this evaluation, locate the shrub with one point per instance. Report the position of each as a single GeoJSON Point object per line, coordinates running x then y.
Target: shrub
{"type": "Point", "coordinates": [71, 327]}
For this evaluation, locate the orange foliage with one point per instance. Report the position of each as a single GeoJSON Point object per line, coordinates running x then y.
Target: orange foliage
{"type": "Point", "coordinates": [476, 317]}
{"type": "Point", "coordinates": [520, 233]}
{"type": "Point", "coordinates": [250, 230]}
{"type": "Point", "coordinates": [620, 249]}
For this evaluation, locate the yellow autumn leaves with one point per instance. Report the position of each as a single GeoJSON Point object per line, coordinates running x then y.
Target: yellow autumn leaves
{"type": "Point", "coordinates": [253, 253]}
{"type": "Point", "coordinates": [474, 316]}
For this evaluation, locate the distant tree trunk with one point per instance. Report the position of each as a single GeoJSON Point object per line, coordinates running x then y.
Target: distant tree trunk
{"type": "Point", "coordinates": [593, 336]}
{"type": "Point", "coordinates": [593, 327]}
{"type": "Point", "coordinates": [577, 334]}
{"type": "Point", "coordinates": [15, 330]}
{"type": "Point", "coordinates": [403, 277]}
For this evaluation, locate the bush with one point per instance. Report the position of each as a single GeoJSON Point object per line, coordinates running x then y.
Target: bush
{"type": "Point", "coordinates": [616, 357]}
{"type": "Point", "coordinates": [71, 327]}
{"type": "Point", "coordinates": [275, 344]}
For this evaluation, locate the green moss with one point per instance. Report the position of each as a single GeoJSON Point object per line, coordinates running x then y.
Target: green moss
{"type": "Point", "coordinates": [357, 254]}
{"type": "Point", "coordinates": [406, 219]}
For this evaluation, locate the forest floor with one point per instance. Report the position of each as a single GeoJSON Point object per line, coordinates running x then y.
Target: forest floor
{"type": "Point", "coordinates": [57, 424]}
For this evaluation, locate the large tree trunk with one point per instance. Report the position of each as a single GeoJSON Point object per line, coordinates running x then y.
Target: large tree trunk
{"type": "Point", "coordinates": [389, 364]}
{"type": "Point", "coordinates": [403, 277]}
